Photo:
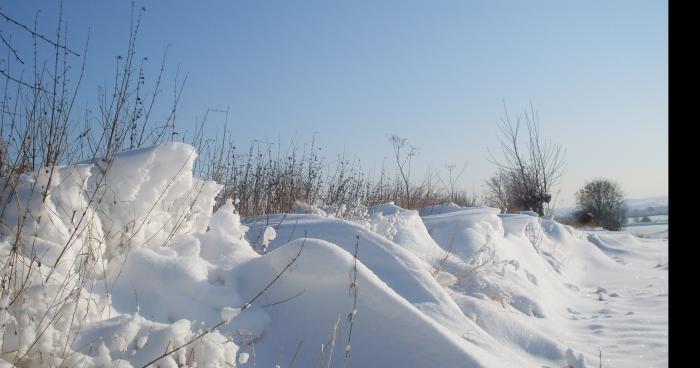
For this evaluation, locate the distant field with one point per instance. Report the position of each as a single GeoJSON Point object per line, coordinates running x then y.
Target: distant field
{"type": "Point", "coordinates": [654, 219]}
{"type": "Point", "coordinates": [649, 230]}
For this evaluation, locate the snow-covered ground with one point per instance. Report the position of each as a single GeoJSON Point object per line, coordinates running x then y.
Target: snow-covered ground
{"type": "Point", "coordinates": [649, 230]}
{"type": "Point", "coordinates": [125, 263]}
{"type": "Point", "coordinates": [640, 203]}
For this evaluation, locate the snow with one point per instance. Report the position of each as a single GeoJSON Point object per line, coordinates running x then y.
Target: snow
{"type": "Point", "coordinates": [136, 266]}
{"type": "Point", "coordinates": [243, 358]}
{"type": "Point", "coordinates": [228, 313]}
{"type": "Point", "coordinates": [649, 230]}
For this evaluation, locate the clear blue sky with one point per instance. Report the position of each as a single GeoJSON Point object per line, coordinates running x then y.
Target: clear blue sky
{"type": "Point", "coordinates": [435, 72]}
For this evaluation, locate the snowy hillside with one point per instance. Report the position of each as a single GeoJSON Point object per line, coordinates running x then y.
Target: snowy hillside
{"type": "Point", "coordinates": [125, 263]}
{"type": "Point", "coordinates": [640, 203]}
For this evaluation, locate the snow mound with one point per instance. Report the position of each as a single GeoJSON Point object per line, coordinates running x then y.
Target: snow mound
{"type": "Point", "coordinates": [148, 196]}
{"type": "Point", "coordinates": [402, 271]}
{"type": "Point", "coordinates": [439, 209]}
{"type": "Point", "coordinates": [405, 228]}
{"type": "Point", "coordinates": [102, 242]}
{"type": "Point", "coordinates": [387, 330]}
{"type": "Point", "coordinates": [466, 231]}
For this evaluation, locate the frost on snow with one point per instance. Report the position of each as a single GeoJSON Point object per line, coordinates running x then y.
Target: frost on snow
{"type": "Point", "coordinates": [243, 358]}
{"type": "Point", "coordinates": [125, 263]}
{"type": "Point", "coordinates": [229, 313]}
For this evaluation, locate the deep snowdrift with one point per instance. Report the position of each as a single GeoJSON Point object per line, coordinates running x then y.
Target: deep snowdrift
{"type": "Point", "coordinates": [124, 262]}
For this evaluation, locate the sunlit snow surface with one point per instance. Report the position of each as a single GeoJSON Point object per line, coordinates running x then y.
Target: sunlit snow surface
{"type": "Point", "coordinates": [441, 287]}
{"type": "Point", "coordinates": [651, 230]}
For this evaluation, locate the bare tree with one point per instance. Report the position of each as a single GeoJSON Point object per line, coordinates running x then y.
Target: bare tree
{"type": "Point", "coordinates": [603, 201]}
{"type": "Point", "coordinates": [528, 171]}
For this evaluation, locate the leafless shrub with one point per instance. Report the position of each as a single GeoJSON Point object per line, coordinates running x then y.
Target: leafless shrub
{"type": "Point", "coordinates": [601, 202]}
{"type": "Point", "coordinates": [40, 130]}
{"type": "Point", "coordinates": [527, 173]}
{"type": "Point", "coordinates": [451, 184]}
{"type": "Point", "coordinates": [268, 178]}
{"type": "Point", "coordinates": [403, 163]}
{"type": "Point", "coordinates": [353, 289]}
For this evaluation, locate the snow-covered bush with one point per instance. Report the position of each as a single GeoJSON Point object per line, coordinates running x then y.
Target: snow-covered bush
{"type": "Point", "coordinates": [82, 245]}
